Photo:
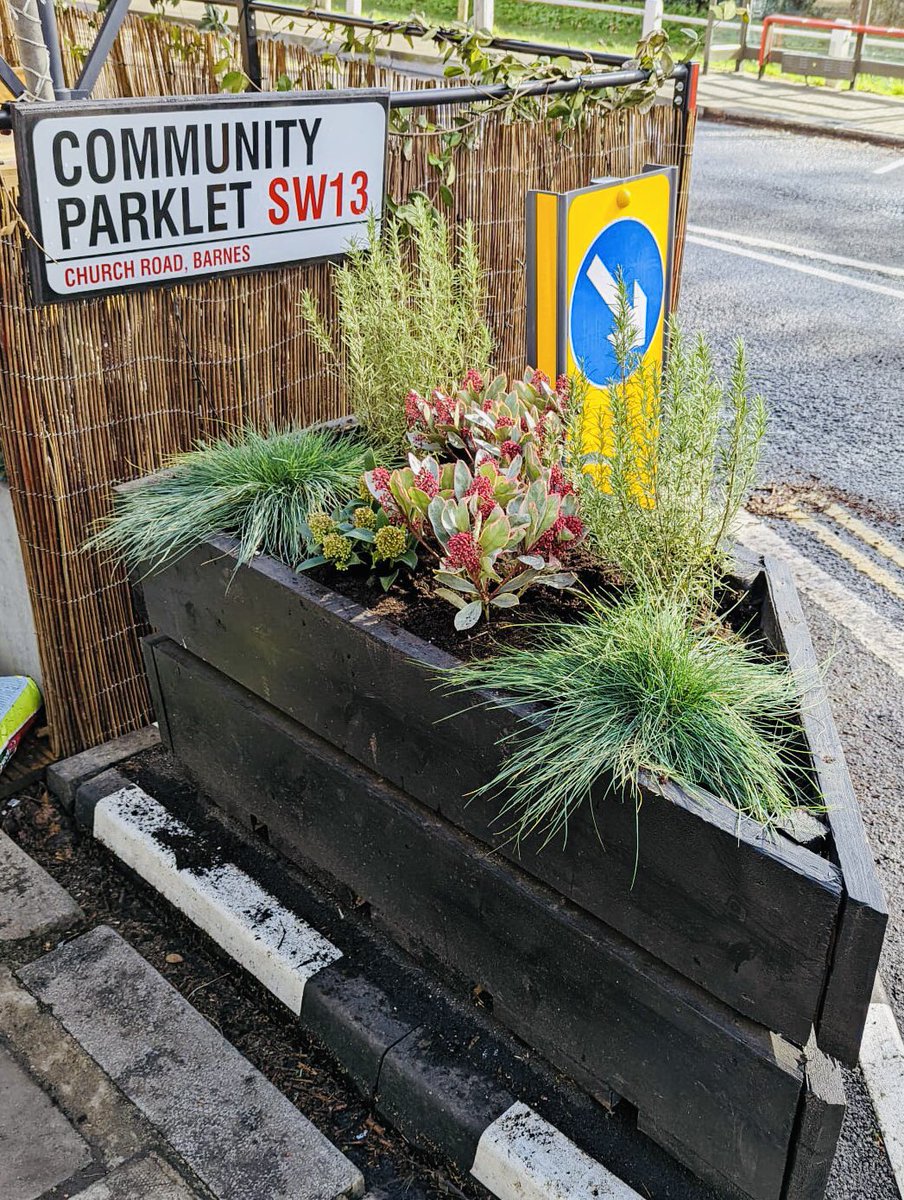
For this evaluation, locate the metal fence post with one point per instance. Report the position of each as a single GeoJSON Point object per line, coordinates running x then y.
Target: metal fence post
{"type": "Point", "coordinates": [652, 16]}
{"type": "Point", "coordinates": [251, 61]}
{"type": "Point", "coordinates": [484, 14]}
{"type": "Point", "coordinates": [51, 33]}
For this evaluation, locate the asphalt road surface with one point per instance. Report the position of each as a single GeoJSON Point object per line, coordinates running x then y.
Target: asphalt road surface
{"type": "Point", "coordinates": [797, 244]}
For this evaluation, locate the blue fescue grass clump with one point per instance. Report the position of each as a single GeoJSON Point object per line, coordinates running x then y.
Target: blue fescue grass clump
{"type": "Point", "coordinates": [256, 487]}
{"type": "Point", "coordinates": [639, 685]}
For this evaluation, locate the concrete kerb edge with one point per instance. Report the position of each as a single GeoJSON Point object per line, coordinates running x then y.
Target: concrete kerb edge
{"type": "Point", "coordinates": [736, 116]}
{"type": "Point", "coordinates": [65, 777]}
{"type": "Point", "coordinates": [413, 1079]}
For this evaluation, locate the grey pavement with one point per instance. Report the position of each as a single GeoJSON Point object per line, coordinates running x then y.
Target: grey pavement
{"type": "Point", "coordinates": [740, 96]}
{"type": "Point", "coordinates": [31, 903]}
{"type": "Point", "coordinates": [113, 1087]}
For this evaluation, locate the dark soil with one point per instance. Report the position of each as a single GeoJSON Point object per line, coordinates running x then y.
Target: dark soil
{"type": "Point", "coordinates": [242, 1010]}
{"type": "Point", "coordinates": [411, 603]}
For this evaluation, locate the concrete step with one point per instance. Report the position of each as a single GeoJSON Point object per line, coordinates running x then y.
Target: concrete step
{"type": "Point", "coordinates": [31, 903]}
{"type": "Point", "coordinates": [229, 1124]}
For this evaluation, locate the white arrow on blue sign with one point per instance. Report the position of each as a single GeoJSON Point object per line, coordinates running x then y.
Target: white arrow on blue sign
{"type": "Point", "coordinates": [625, 246]}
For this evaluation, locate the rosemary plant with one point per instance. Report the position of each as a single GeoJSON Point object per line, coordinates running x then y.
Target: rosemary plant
{"type": "Point", "coordinates": [672, 459]}
{"type": "Point", "coordinates": [410, 318]}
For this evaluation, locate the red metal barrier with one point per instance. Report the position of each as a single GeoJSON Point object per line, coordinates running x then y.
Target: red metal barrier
{"type": "Point", "coordinates": [770, 22]}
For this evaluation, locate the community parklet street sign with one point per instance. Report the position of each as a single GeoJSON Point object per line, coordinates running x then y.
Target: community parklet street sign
{"type": "Point", "coordinates": [579, 245]}
{"type": "Point", "coordinates": [128, 193]}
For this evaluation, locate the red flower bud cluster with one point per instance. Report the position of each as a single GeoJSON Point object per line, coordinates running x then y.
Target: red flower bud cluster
{"type": "Point", "coordinates": [426, 482]}
{"type": "Point", "coordinates": [412, 411]}
{"type": "Point", "coordinates": [483, 487]}
{"type": "Point", "coordinates": [461, 551]}
{"type": "Point", "coordinates": [473, 381]}
{"type": "Point", "coordinates": [510, 450]}
{"type": "Point", "coordinates": [558, 483]}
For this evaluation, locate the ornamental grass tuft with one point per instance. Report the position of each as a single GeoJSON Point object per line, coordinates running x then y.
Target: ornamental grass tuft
{"type": "Point", "coordinates": [256, 487]}
{"type": "Point", "coordinates": [638, 686]}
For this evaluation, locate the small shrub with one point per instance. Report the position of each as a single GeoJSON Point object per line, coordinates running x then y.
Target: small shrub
{"type": "Point", "coordinates": [497, 514]}
{"type": "Point", "coordinates": [404, 323]}
{"type": "Point", "coordinates": [360, 534]}
{"type": "Point", "coordinates": [637, 686]}
{"type": "Point", "coordinates": [678, 456]}
{"type": "Point", "coordinates": [258, 488]}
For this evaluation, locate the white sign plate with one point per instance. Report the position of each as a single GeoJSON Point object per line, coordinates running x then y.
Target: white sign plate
{"type": "Point", "coordinates": [130, 193]}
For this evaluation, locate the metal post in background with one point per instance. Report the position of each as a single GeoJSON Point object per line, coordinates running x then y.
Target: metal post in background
{"type": "Point", "coordinates": [251, 61]}
{"type": "Point", "coordinates": [484, 14]}
{"type": "Point", "coordinates": [652, 16]}
{"type": "Point", "coordinates": [51, 33]}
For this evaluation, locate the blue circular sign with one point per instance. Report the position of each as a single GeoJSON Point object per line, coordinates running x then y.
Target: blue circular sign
{"type": "Point", "coordinates": [625, 246]}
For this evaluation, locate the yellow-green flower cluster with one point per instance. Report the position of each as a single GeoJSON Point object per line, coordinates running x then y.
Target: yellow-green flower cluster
{"type": "Point", "coordinates": [321, 524]}
{"type": "Point", "coordinates": [338, 549]}
{"type": "Point", "coordinates": [389, 543]}
{"type": "Point", "coordinates": [364, 518]}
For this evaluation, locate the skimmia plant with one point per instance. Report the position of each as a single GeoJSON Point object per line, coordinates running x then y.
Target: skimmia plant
{"type": "Point", "coordinates": [489, 505]}
{"type": "Point", "coordinates": [256, 487]}
{"type": "Point", "coordinates": [638, 686]}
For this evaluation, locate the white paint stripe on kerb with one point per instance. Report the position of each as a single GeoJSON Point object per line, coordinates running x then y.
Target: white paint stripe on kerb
{"type": "Point", "coordinates": [837, 260]}
{"type": "Point", "coordinates": [271, 943]}
{"type": "Point", "coordinates": [878, 635]}
{"type": "Point", "coordinates": [522, 1157]}
{"type": "Point", "coordinates": [882, 1064]}
{"type": "Point", "coordinates": [833, 276]}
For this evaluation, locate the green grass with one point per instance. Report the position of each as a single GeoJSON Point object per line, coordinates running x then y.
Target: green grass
{"type": "Point", "coordinates": [258, 488]}
{"type": "Point", "coordinates": [637, 687]}
{"type": "Point", "coordinates": [614, 32]}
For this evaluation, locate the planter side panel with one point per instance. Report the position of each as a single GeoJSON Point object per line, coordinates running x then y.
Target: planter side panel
{"type": "Point", "coordinates": [747, 917]}
{"type": "Point", "coordinates": [601, 1009]}
{"type": "Point", "coordinates": [864, 913]}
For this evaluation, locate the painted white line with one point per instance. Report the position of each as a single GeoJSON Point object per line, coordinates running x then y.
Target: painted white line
{"type": "Point", "coordinates": [870, 628]}
{"type": "Point", "coordinates": [522, 1157]}
{"type": "Point", "coordinates": [271, 943]}
{"type": "Point", "coordinates": [833, 276]}
{"type": "Point", "coordinates": [850, 553]}
{"type": "Point", "coordinates": [882, 1063]}
{"type": "Point", "coordinates": [892, 166]}
{"type": "Point", "coordinates": [837, 260]}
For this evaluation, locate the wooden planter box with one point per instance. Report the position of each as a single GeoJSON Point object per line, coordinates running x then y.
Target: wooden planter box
{"type": "Point", "coordinates": [691, 993]}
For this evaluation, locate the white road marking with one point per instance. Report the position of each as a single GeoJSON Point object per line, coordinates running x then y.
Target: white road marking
{"type": "Point", "coordinates": [892, 166]}
{"type": "Point", "coordinates": [882, 1063]}
{"type": "Point", "coordinates": [607, 287]}
{"type": "Point", "coordinates": [799, 251]}
{"type": "Point", "coordinates": [268, 940]}
{"type": "Point", "coordinates": [522, 1157]}
{"type": "Point", "coordinates": [833, 276]}
{"type": "Point", "coordinates": [877, 634]}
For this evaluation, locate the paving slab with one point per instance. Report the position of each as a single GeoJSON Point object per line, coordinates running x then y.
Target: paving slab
{"type": "Point", "coordinates": [38, 1147]}
{"type": "Point", "coordinates": [232, 1127]}
{"type": "Point", "coordinates": [147, 1178]}
{"type": "Point", "coordinates": [783, 104]}
{"type": "Point", "coordinates": [31, 903]}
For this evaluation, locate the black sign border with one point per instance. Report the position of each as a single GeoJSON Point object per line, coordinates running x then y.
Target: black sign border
{"type": "Point", "coordinates": [25, 118]}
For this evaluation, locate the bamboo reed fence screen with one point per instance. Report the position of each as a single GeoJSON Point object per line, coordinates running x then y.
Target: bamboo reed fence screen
{"type": "Point", "coordinates": [102, 391]}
